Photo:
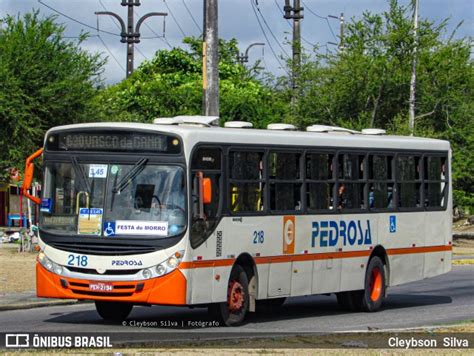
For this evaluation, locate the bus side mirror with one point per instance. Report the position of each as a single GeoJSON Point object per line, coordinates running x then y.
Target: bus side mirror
{"type": "Point", "coordinates": [28, 176]}
{"type": "Point", "coordinates": [206, 190]}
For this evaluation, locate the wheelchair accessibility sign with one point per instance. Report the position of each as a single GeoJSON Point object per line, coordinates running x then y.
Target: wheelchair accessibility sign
{"type": "Point", "coordinates": [109, 228]}
{"type": "Point", "coordinates": [393, 223]}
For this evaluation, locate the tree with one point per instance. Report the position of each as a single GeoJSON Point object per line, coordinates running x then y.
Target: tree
{"type": "Point", "coordinates": [171, 84]}
{"type": "Point", "coordinates": [45, 81]}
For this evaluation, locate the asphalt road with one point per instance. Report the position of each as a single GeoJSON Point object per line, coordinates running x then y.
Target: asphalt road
{"type": "Point", "coordinates": [444, 299]}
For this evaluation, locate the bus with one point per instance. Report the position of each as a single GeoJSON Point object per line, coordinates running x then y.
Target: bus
{"type": "Point", "coordinates": [184, 212]}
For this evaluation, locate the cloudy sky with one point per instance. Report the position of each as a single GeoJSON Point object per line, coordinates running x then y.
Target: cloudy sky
{"type": "Point", "coordinates": [237, 19]}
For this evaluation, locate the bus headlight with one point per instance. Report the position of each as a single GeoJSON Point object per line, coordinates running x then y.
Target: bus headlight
{"type": "Point", "coordinates": [160, 270]}
{"type": "Point", "coordinates": [147, 273]}
{"type": "Point", "coordinates": [57, 268]}
{"type": "Point", "coordinates": [49, 265]}
{"type": "Point", "coordinates": [172, 262]}
{"type": "Point", "coordinates": [169, 265]}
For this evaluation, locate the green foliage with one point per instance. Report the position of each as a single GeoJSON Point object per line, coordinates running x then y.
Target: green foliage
{"type": "Point", "coordinates": [45, 81]}
{"type": "Point", "coordinates": [171, 84]}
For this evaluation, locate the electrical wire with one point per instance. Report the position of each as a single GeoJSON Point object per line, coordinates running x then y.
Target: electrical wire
{"type": "Point", "coordinates": [142, 54]}
{"type": "Point", "coordinates": [174, 18]}
{"type": "Point", "coordinates": [162, 37]}
{"type": "Point", "coordinates": [110, 52]}
{"type": "Point", "coordinates": [110, 17]}
{"type": "Point", "coordinates": [270, 30]}
{"type": "Point", "coordinates": [192, 17]}
{"type": "Point", "coordinates": [321, 17]}
{"type": "Point", "coordinates": [289, 24]}
{"type": "Point", "coordinates": [77, 21]}
{"type": "Point", "coordinates": [266, 37]}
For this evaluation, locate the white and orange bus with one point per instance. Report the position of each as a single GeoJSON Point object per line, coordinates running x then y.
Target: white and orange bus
{"type": "Point", "coordinates": [184, 212]}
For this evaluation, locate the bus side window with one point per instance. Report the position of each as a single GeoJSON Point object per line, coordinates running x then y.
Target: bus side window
{"type": "Point", "coordinates": [246, 183]}
{"type": "Point", "coordinates": [206, 164]}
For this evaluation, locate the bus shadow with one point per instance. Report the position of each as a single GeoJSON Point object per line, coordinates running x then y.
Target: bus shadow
{"type": "Point", "coordinates": [314, 306]}
{"type": "Point", "coordinates": [181, 318]}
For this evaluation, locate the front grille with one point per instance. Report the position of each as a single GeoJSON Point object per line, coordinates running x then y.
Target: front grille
{"type": "Point", "coordinates": [109, 249]}
{"type": "Point", "coordinates": [102, 294]}
{"type": "Point", "coordinates": [117, 272]}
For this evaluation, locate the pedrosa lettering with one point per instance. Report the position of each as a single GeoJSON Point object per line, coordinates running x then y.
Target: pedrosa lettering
{"type": "Point", "coordinates": [353, 232]}
{"type": "Point", "coordinates": [126, 263]}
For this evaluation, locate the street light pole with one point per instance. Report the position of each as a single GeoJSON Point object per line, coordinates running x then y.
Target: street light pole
{"type": "Point", "coordinates": [244, 58]}
{"type": "Point", "coordinates": [128, 34]}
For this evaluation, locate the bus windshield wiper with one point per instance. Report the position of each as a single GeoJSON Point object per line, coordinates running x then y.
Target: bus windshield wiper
{"type": "Point", "coordinates": [132, 173]}
{"type": "Point", "coordinates": [84, 181]}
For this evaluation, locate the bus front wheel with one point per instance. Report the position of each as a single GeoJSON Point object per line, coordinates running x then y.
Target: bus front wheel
{"type": "Point", "coordinates": [233, 311]}
{"type": "Point", "coordinates": [113, 311]}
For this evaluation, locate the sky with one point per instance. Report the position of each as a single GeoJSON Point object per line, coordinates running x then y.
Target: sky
{"type": "Point", "coordinates": [237, 19]}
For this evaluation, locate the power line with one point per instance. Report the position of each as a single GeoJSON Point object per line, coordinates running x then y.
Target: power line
{"type": "Point", "coordinates": [269, 29]}
{"type": "Point", "coordinates": [143, 55]}
{"type": "Point", "coordinates": [266, 37]}
{"type": "Point", "coordinates": [116, 24]}
{"type": "Point", "coordinates": [289, 24]}
{"type": "Point", "coordinates": [77, 21]}
{"type": "Point", "coordinates": [162, 37]}
{"type": "Point", "coordinates": [321, 17]}
{"type": "Point", "coordinates": [192, 17]}
{"type": "Point", "coordinates": [174, 18]}
{"type": "Point", "coordinates": [110, 52]}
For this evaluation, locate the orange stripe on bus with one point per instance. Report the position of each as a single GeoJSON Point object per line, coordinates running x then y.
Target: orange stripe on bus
{"type": "Point", "coordinates": [425, 249]}
{"type": "Point", "coordinates": [314, 256]}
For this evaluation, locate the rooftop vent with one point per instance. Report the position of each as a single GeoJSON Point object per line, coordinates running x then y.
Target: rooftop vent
{"type": "Point", "coordinates": [166, 121]}
{"type": "Point", "coordinates": [285, 127]}
{"type": "Point", "coordinates": [238, 125]}
{"type": "Point", "coordinates": [373, 132]}
{"type": "Point", "coordinates": [206, 121]}
{"type": "Point", "coordinates": [325, 128]}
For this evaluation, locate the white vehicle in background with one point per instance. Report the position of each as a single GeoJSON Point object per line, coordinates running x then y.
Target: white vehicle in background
{"type": "Point", "coordinates": [183, 212]}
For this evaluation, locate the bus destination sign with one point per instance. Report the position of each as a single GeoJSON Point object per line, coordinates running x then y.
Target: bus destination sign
{"type": "Point", "coordinates": [113, 141]}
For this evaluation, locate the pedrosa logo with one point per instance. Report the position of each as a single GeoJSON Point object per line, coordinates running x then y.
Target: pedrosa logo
{"type": "Point", "coordinates": [127, 263]}
{"type": "Point", "coordinates": [353, 232]}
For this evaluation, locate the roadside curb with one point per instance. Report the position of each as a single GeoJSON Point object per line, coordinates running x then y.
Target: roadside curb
{"type": "Point", "coordinates": [32, 305]}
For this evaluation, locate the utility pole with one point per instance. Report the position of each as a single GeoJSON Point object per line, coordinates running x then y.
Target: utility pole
{"type": "Point", "coordinates": [210, 60]}
{"type": "Point", "coordinates": [129, 34]}
{"type": "Point", "coordinates": [411, 120]}
{"type": "Point", "coordinates": [295, 13]}
{"type": "Point", "coordinates": [244, 58]}
{"type": "Point", "coordinates": [341, 31]}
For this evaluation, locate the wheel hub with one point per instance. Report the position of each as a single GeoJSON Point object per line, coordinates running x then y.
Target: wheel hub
{"type": "Point", "coordinates": [375, 285]}
{"type": "Point", "coordinates": [236, 296]}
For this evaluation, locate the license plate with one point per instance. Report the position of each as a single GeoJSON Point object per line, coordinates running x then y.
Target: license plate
{"type": "Point", "coordinates": [101, 287]}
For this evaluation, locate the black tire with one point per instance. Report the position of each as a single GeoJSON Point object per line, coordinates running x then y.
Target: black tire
{"type": "Point", "coordinates": [270, 305]}
{"type": "Point", "coordinates": [113, 311]}
{"type": "Point", "coordinates": [371, 298]}
{"type": "Point", "coordinates": [346, 301]}
{"type": "Point", "coordinates": [228, 313]}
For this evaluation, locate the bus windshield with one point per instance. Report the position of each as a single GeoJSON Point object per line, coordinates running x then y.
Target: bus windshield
{"type": "Point", "coordinates": [141, 199]}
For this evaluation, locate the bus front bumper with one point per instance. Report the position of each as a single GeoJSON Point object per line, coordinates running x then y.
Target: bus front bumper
{"type": "Point", "coordinates": [169, 289]}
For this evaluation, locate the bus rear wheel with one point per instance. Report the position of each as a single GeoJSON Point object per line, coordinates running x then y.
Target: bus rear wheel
{"type": "Point", "coordinates": [371, 298]}
{"type": "Point", "coordinates": [113, 311]}
{"type": "Point", "coordinates": [233, 311]}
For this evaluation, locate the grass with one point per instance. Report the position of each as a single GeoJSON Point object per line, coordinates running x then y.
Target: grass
{"type": "Point", "coordinates": [17, 270]}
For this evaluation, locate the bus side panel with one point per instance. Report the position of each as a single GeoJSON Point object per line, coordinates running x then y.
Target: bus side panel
{"type": "Point", "coordinates": [262, 280]}
{"type": "Point", "coordinates": [326, 276]}
{"type": "Point", "coordinates": [406, 266]}
{"type": "Point", "coordinates": [302, 277]}
{"type": "Point", "coordinates": [438, 231]}
{"type": "Point", "coordinates": [353, 273]}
